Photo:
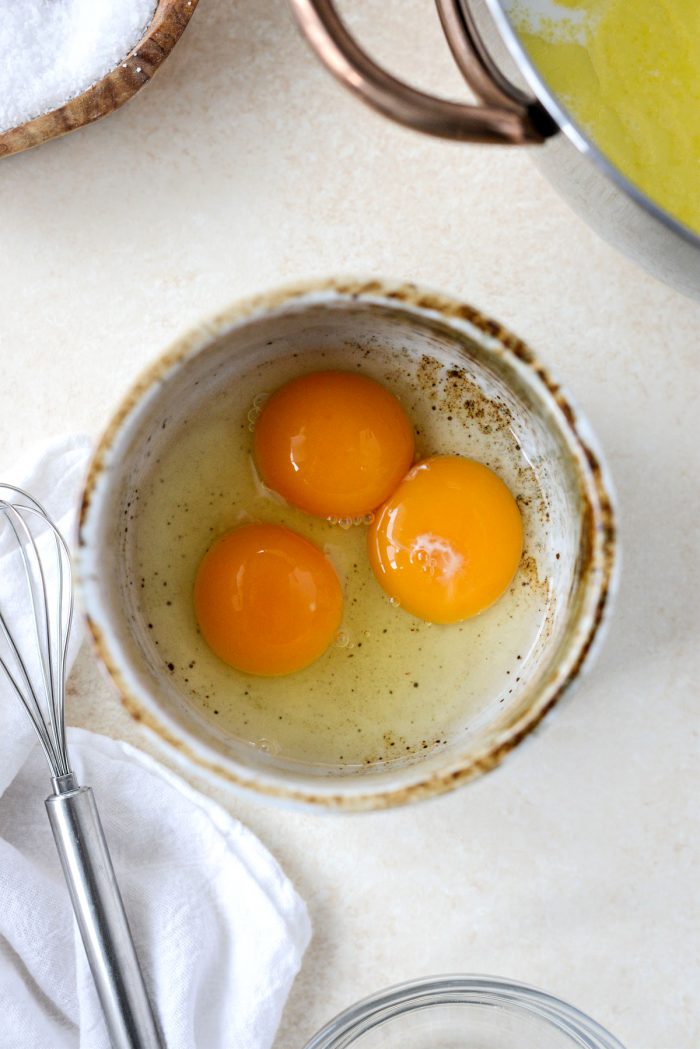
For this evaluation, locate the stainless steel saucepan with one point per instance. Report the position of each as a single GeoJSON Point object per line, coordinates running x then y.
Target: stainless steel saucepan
{"type": "Point", "coordinates": [515, 107]}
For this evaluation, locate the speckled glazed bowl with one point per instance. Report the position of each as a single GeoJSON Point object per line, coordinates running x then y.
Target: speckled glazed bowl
{"type": "Point", "coordinates": [458, 1012]}
{"type": "Point", "coordinates": [573, 561]}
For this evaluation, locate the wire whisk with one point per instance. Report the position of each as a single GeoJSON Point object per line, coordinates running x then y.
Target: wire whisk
{"type": "Point", "coordinates": [36, 616]}
{"type": "Point", "coordinates": [26, 524]}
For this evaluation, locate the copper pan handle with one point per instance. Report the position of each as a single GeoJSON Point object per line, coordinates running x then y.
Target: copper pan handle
{"type": "Point", "coordinates": [503, 115]}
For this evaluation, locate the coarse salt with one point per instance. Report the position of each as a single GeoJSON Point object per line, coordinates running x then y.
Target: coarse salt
{"type": "Point", "coordinates": [52, 50]}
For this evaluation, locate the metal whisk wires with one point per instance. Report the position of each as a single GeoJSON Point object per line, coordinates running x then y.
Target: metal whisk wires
{"type": "Point", "coordinates": [36, 614]}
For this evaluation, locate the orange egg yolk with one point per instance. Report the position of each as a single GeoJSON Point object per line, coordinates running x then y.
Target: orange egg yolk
{"type": "Point", "coordinates": [448, 542]}
{"type": "Point", "coordinates": [267, 601]}
{"type": "Point", "coordinates": [333, 443]}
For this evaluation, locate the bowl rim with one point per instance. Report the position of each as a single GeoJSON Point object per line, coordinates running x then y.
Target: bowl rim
{"type": "Point", "coordinates": [460, 989]}
{"type": "Point", "coordinates": [355, 793]}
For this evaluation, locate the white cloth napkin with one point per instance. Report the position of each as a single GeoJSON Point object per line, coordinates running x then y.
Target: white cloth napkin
{"type": "Point", "coordinates": [219, 929]}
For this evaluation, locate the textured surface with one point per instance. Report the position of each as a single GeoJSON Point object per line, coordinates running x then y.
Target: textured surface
{"type": "Point", "coordinates": [243, 165]}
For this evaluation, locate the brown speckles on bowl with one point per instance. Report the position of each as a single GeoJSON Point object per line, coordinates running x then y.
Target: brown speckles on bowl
{"type": "Point", "coordinates": [430, 319]}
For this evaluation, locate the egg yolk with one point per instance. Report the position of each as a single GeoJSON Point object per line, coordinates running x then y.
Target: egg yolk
{"type": "Point", "coordinates": [333, 443]}
{"type": "Point", "coordinates": [267, 601]}
{"type": "Point", "coordinates": [448, 542]}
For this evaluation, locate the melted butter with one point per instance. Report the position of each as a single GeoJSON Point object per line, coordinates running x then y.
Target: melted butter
{"type": "Point", "coordinates": [629, 72]}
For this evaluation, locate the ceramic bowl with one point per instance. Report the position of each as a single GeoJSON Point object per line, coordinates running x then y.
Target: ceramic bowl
{"type": "Point", "coordinates": [457, 1011]}
{"type": "Point", "coordinates": [574, 561]}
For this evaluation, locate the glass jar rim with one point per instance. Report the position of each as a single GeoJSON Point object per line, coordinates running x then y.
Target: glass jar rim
{"type": "Point", "coordinates": [385, 1005]}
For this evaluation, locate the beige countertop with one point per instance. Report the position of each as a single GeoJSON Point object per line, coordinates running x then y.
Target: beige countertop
{"type": "Point", "coordinates": [243, 166]}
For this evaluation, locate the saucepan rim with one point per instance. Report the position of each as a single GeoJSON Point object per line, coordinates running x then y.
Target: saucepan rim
{"type": "Point", "coordinates": [568, 124]}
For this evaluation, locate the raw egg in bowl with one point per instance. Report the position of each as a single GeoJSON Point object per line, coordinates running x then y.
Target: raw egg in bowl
{"type": "Point", "coordinates": [346, 544]}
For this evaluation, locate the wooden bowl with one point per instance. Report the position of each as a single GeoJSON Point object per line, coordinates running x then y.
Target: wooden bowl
{"type": "Point", "coordinates": [114, 89]}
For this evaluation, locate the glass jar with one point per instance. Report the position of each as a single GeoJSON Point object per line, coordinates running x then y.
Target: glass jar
{"type": "Point", "coordinates": [462, 1012]}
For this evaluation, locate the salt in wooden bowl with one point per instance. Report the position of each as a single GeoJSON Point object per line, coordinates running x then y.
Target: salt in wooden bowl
{"type": "Point", "coordinates": [114, 89]}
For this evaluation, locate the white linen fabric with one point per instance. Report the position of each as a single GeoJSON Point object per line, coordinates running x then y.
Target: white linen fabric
{"type": "Point", "coordinates": [219, 928]}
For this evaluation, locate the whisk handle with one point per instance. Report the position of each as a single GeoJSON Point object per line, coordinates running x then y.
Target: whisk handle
{"type": "Point", "coordinates": [99, 911]}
